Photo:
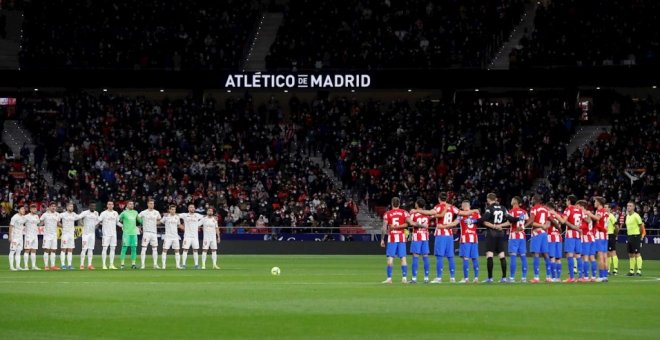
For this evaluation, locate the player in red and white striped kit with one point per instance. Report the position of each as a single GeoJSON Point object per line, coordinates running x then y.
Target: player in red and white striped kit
{"type": "Point", "coordinates": [469, 246]}
{"type": "Point", "coordinates": [517, 244]}
{"type": "Point", "coordinates": [588, 246]}
{"type": "Point", "coordinates": [420, 241]}
{"type": "Point", "coordinates": [395, 224]}
{"type": "Point", "coordinates": [554, 244]}
{"type": "Point", "coordinates": [600, 235]}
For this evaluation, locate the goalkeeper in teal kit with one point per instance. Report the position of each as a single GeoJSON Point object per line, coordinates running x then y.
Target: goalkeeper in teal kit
{"type": "Point", "coordinates": [128, 221]}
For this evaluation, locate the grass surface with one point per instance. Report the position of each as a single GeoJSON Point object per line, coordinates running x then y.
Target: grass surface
{"type": "Point", "coordinates": [316, 297]}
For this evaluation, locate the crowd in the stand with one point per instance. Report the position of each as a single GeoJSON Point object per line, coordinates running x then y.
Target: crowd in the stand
{"type": "Point", "coordinates": [367, 34]}
{"type": "Point", "coordinates": [149, 34]}
{"type": "Point", "coordinates": [251, 160]}
{"type": "Point", "coordinates": [469, 148]}
{"type": "Point", "coordinates": [592, 33]}
{"type": "Point", "coordinates": [241, 158]}
{"type": "Point", "coordinates": [621, 165]}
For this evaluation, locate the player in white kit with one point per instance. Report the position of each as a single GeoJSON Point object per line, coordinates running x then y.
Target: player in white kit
{"type": "Point", "coordinates": [90, 219]}
{"type": "Point", "coordinates": [149, 219]}
{"type": "Point", "coordinates": [211, 237]}
{"type": "Point", "coordinates": [69, 218]}
{"type": "Point", "coordinates": [191, 223]}
{"type": "Point", "coordinates": [31, 237]}
{"type": "Point", "coordinates": [50, 219]}
{"type": "Point", "coordinates": [108, 220]}
{"type": "Point", "coordinates": [171, 239]}
{"type": "Point", "coordinates": [16, 231]}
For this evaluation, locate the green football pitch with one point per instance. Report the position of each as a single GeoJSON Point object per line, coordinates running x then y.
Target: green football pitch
{"type": "Point", "coordinates": [317, 297]}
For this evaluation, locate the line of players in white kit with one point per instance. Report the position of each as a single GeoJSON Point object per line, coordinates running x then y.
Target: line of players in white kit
{"type": "Point", "coordinates": [24, 230]}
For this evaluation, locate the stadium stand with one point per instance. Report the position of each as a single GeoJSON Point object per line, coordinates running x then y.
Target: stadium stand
{"type": "Point", "coordinates": [364, 34]}
{"type": "Point", "coordinates": [621, 165]}
{"type": "Point", "coordinates": [177, 35]}
{"type": "Point", "coordinates": [253, 160]}
{"type": "Point", "coordinates": [592, 33]}
{"type": "Point", "coordinates": [468, 148]}
{"type": "Point", "coordinates": [185, 151]}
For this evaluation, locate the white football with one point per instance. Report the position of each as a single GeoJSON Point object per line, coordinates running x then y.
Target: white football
{"type": "Point", "coordinates": [275, 271]}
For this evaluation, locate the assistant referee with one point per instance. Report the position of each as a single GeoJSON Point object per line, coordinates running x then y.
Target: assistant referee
{"type": "Point", "coordinates": [634, 228]}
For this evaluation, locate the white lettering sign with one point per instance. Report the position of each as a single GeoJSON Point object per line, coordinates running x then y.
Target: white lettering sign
{"type": "Point", "coordinates": [320, 81]}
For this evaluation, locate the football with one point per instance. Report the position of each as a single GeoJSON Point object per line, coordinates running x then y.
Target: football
{"type": "Point", "coordinates": [275, 271]}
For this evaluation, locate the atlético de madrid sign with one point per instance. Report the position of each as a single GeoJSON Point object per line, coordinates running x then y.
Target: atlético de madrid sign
{"type": "Point", "coordinates": [300, 81]}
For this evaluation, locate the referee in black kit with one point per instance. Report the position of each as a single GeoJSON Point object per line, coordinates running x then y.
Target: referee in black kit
{"type": "Point", "coordinates": [495, 219]}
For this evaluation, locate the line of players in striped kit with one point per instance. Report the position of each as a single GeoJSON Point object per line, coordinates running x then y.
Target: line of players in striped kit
{"type": "Point", "coordinates": [585, 236]}
{"type": "Point", "coordinates": [24, 227]}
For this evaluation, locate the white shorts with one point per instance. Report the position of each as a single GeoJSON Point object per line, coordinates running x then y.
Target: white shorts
{"type": "Point", "coordinates": [16, 244]}
{"type": "Point", "coordinates": [171, 243]}
{"type": "Point", "coordinates": [49, 243]}
{"type": "Point", "coordinates": [68, 242]}
{"type": "Point", "coordinates": [149, 239]}
{"type": "Point", "coordinates": [191, 242]}
{"type": "Point", "coordinates": [88, 241]}
{"type": "Point", "coordinates": [109, 241]}
{"type": "Point", "coordinates": [210, 244]}
{"type": "Point", "coordinates": [31, 242]}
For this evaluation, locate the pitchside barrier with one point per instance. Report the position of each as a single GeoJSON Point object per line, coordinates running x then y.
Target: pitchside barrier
{"type": "Point", "coordinates": [350, 240]}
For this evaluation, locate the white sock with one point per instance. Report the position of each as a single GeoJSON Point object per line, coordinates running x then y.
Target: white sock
{"type": "Point", "coordinates": [46, 258]}
{"type": "Point", "coordinates": [53, 258]}
{"type": "Point", "coordinates": [11, 259]}
{"type": "Point", "coordinates": [104, 255]}
{"type": "Point", "coordinates": [112, 256]}
{"type": "Point", "coordinates": [196, 257]}
{"type": "Point", "coordinates": [203, 259]}
{"type": "Point", "coordinates": [63, 258]}
{"type": "Point", "coordinates": [184, 256]}
{"type": "Point", "coordinates": [33, 257]}
{"type": "Point", "coordinates": [82, 257]}
{"type": "Point", "coordinates": [154, 253]}
{"type": "Point", "coordinates": [177, 259]}
{"type": "Point", "coordinates": [26, 259]}
{"type": "Point", "coordinates": [164, 259]}
{"type": "Point", "coordinates": [90, 256]}
{"type": "Point", "coordinates": [69, 257]}
{"type": "Point", "coordinates": [214, 258]}
{"type": "Point", "coordinates": [143, 255]}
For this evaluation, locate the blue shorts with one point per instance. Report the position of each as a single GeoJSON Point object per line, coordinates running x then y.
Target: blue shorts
{"type": "Point", "coordinates": [554, 249]}
{"type": "Point", "coordinates": [539, 244]}
{"type": "Point", "coordinates": [470, 250]}
{"type": "Point", "coordinates": [419, 247]}
{"type": "Point", "coordinates": [588, 248]}
{"type": "Point", "coordinates": [601, 246]}
{"type": "Point", "coordinates": [444, 246]}
{"type": "Point", "coordinates": [573, 246]}
{"type": "Point", "coordinates": [396, 249]}
{"type": "Point", "coordinates": [518, 247]}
